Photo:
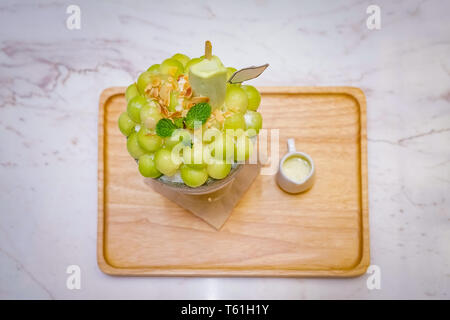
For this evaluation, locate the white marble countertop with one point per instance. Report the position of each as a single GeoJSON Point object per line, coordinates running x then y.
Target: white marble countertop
{"type": "Point", "coordinates": [51, 78]}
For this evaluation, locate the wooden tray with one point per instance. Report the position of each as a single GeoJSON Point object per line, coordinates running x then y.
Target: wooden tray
{"type": "Point", "coordinates": [323, 232]}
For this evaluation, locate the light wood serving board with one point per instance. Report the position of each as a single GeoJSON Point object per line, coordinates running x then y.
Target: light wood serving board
{"type": "Point", "coordinates": [323, 232]}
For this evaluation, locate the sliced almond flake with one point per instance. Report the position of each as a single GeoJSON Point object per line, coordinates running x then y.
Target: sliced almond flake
{"type": "Point", "coordinates": [165, 94]}
{"type": "Point", "coordinates": [167, 101]}
{"type": "Point", "coordinates": [213, 122]}
{"type": "Point", "coordinates": [187, 93]}
{"type": "Point", "coordinates": [218, 115]}
{"type": "Point", "coordinates": [164, 111]}
{"type": "Point", "coordinates": [199, 99]}
{"type": "Point", "coordinates": [175, 114]}
{"type": "Point", "coordinates": [154, 92]}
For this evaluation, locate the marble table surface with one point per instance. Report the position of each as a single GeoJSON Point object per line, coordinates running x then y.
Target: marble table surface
{"type": "Point", "coordinates": [51, 78]}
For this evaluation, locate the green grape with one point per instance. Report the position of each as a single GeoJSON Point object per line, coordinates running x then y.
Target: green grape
{"type": "Point", "coordinates": [150, 115]}
{"type": "Point", "coordinates": [223, 147]}
{"type": "Point", "coordinates": [173, 100]}
{"type": "Point", "coordinates": [219, 169]}
{"type": "Point", "coordinates": [193, 177]}
{"type": "Point", "coordinates": [134, 108]}
{"type": "Point", "coordinates": [184, 59]}
{"type": "Point", "coordinates": [236, 99]}
{"type": "Point", "coordinates": [193, 157]}
{"type": "Point", "coordinates": [190, 63]}
{"type": "Point", "coordinates": [154, 69]}
{"type": "Point", "coordinates": [230, 71]}
{"type": "Point", "coordinates": [236, 133]}
{"type": "Point", "coordinates": [131, 92]}
{"type": "Point", "coordinates": [171, 67]}
{"type": "Point", "coordinates": [149, 141]}
{"type": "Point", "coordinates": [207, 153]}
{"type": "Point", "coordinates": [167, 163]}
{"type": "Point", "coordinates": [133, 147]}
{"type": "Point", "coordinates": [179, 135]}
{"type": "Point", "coordinates": [144, 79]}
{"type": "Point", "coordinates": [126, 125]}
{"type": "Point", "coordinates": [254, 97]}
{"type": "Point", "coordinates": [147, 166]}
{"type": "Point", "coordinates": [210, 134]}
{"type": "Point", "coordinates": [235, 121]}
{"type": "Point", "coordinates": [243, 148]}
{"type": "Point", "coordinates": [253, 120]}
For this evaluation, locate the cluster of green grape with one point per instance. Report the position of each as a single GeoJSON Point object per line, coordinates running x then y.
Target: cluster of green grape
{"type": "Point", "coordinates": [199, 154]}
{"type": "Point", "coordinates": [243, 101]}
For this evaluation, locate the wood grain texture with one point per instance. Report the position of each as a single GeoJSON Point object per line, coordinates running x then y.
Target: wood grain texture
{"type": "Point", "coordinates": [323, 232]}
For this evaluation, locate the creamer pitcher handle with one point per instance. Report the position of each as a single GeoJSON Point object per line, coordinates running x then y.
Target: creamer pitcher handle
{"type": "Point", "coordinates": [291, 145]}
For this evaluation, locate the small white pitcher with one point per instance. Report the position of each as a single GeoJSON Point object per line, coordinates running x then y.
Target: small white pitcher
{"type": "Point", "coordinates": [289, 185]}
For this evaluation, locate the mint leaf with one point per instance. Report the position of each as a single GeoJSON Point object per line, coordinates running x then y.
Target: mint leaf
{"type": "Point", "coordinates": [198, 113]}
{"type": "Point", "coordinates": [165, 128]}
{"type": "Point", "coordinates": [178, 122]}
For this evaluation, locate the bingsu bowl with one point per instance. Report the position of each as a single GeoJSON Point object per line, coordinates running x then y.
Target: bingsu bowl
{"type": "Point", "coordinates": [187, 126]}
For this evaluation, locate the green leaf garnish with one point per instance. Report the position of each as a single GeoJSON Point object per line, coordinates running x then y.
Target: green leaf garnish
{"type": "Point", "coordinates": [165, 127]}
{"type": "Point", "coordinates": [178, 122]}
{"type": "Point", "coordinates": [198, 113]}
